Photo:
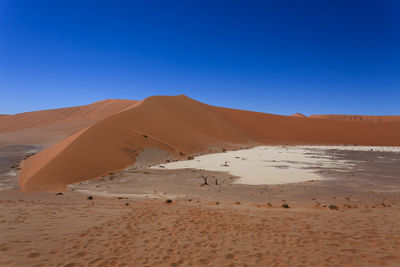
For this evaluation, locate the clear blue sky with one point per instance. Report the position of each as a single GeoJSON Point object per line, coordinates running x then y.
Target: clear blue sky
{"type": "Point", "coordinates": [278, 57]}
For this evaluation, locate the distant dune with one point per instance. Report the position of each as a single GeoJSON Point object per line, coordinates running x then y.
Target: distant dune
{"type": "Point", "coordinates": [49, 126]}
{"type": "Point", "coordinates": [299, 115]}
{"type": "Point", "coordinates": [181, 126]}
{"type": "Point", "coordinates": [359, 118]}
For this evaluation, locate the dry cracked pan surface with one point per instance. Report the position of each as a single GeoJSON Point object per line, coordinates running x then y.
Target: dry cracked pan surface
{"type": "Point", "coordinates": [77, 232]}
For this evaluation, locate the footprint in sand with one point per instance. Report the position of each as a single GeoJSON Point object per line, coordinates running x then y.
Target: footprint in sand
{"type": "Point", "coordinates": [72, 264]}
{"type": "Point", "coordinates": [34, 255]}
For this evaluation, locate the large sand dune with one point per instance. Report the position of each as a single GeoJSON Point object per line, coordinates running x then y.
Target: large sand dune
{"type": "Point", "coordinates": [49, 126]}
{"type": "Point", "coordinates": [182, 126]}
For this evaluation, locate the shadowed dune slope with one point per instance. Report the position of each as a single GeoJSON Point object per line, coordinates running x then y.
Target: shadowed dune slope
{"type": "Point", "coordinates": [49, 126]}
{"type": "Point", "coordinates": [178, 124]}
{"type": "Point", "coordinates": [359, 118]}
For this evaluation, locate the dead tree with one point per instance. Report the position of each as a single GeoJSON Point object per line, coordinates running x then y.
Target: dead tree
{"type": "Point", "coordinates": [225, 164]}
{"type": "Point", "coordinates": [205, 180]}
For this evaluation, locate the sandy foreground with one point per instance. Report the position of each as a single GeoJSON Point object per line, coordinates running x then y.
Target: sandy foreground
{"type": "Point", "coordinates": [349, 218]}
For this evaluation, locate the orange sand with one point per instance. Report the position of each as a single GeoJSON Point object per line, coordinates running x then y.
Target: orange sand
{"type": "Point", "coordinates": [72, 232]}
{"type": "Point", "coordinates": [181, 126]}
{"type": "Point", "coordinates": [299, 115]}
{"type": "Point", "coordinates": [359, 118]}
{"type": "Point", "coordinates": [49, 126]}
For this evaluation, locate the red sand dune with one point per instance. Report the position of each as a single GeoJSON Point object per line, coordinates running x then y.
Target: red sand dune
{"type": "Point", "coordinates": [359, 118]}
{"type": "Point", "coordinates": [49, 126]}
{"type": "Point", "coordinates": [179, 124]}
{"type": "Point", "coordinates": [299, 115]}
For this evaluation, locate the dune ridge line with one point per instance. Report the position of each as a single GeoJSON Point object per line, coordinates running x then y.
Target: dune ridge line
{"type": "Point", "coordinates": [182, 126]}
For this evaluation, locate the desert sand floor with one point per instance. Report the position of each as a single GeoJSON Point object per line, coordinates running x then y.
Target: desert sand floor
{"type": "Point", "coordinates": [67, 232]}
{"type": "Point", "coordinates": [352, 218]}
{"type": "Point", "coordinates": [10, 156]}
